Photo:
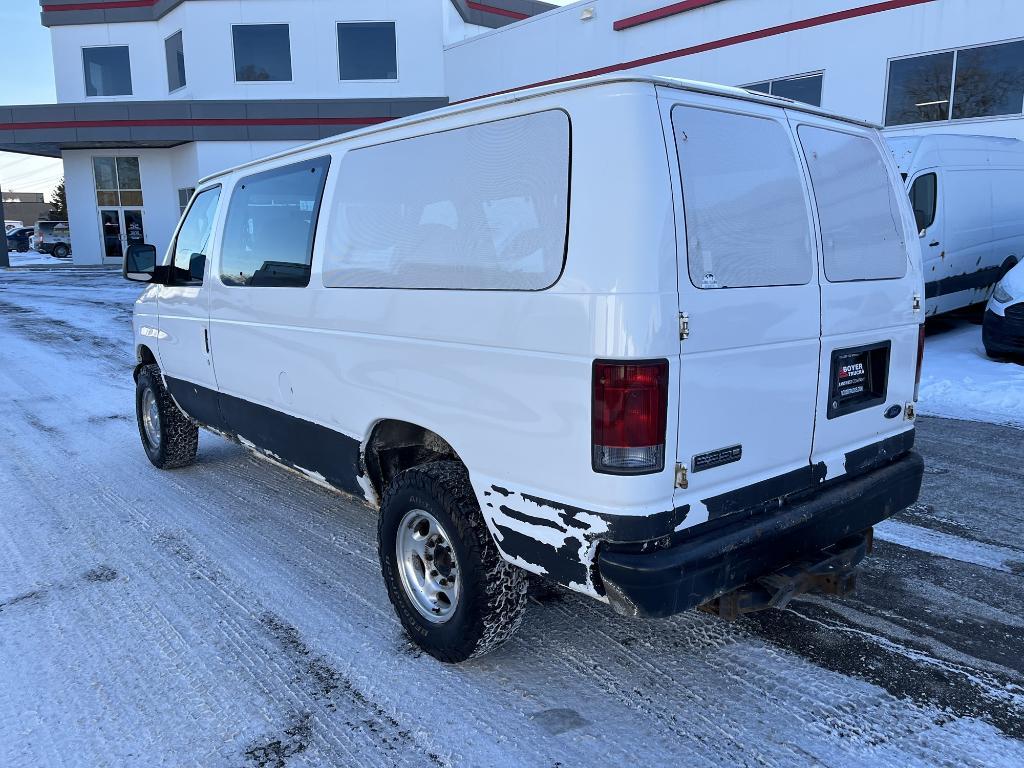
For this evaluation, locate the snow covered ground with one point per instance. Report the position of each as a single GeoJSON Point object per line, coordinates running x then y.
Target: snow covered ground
{"type": "Point", "coordinates": [232, 614]}
{"type": "Point", "coordinates": [959, 381]}
{"type": "Point", "coordinates": [33, 258]}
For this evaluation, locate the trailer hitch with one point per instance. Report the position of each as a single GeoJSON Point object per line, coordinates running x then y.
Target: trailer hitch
{"type": "Point", "coordinates": [833, 571]}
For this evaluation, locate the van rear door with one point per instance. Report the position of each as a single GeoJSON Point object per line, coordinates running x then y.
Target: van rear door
{"type": "Point", "coordinates": [871, 296]}
{"type": "Point", "coordinates": [748, 302]}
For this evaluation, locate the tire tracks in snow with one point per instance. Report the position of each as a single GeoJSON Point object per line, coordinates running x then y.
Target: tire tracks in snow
{"type": "Point", "coordinates": [253, 602]}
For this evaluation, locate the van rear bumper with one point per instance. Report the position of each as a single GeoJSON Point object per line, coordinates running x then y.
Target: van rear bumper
{"type": "Point", "coordinates": [710, 564]}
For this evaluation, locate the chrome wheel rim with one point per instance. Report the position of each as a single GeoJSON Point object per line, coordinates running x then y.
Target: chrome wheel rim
{"type": "Point", "coordinates": [427, 566]}
{"type": "Point", "coordinates": [151, 418]}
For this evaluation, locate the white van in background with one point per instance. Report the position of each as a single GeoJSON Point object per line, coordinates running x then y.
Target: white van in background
{"type": "Point", "coordinates": [656, 341]}
{"type": "Point", "coordinates": [967, 193]}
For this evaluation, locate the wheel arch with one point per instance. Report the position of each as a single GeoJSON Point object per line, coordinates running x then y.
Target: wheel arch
{"type": "Point", "coordinates": [393, 445]}
{"type": "Point", "coordinates": [143, 356]}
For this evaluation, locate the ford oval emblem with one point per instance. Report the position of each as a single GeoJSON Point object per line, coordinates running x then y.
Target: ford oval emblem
{"type": "Point", "coordinates": [893, 411]}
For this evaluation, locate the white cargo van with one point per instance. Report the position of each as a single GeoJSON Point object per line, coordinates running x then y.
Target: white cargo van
{"type": "Point", "coordinates": [967, 193]}
{"type": "Point", "coordinates": [653, 340]}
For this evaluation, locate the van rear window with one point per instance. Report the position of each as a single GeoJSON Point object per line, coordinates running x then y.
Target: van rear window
{"type": "Point", "coordinates": [747, 222]}
{"type": "Point", "coordinates": [483, 207]}
{"type": "Point", "coordinates": [861, 232]}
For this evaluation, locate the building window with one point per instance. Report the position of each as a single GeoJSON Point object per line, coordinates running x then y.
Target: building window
{"type": "Point", "coordinates": [118, 181]}
{"type": "Point", "coordinates": [268, 235]}
{"type": "Point", "coordinates": [919, 89]}
{"type": "Point", "coordinates": [184, 195]}
{"type": "Point", "coordinates": [367, 51]}
{"type": "Point", "coordinates": [174, 48]}
{"type": "Point", "coordinates": [108, 71]}
{"type": "Point", "coordinates": [989, 81]}
{"type": "Point", "coordinates": [803, 88]}
{"type": "Point", "coordinates": [263, 52]}
{"type": "Point", "coordinates": [986, 81]}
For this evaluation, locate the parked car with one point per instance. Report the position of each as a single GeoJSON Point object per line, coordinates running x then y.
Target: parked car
{"type": "Point", "coordinates": [549, 351]}
{"type": "Point", "coordinates": [53, 237]}
{"type": "Point", "coordinates": [9, 225]}
{"type": "Point", "coordinates": [967, 201]}
{"type": "Point", "coordinates": [1003, 328]}
{"type": "Point", "coordinates": [20, 239]}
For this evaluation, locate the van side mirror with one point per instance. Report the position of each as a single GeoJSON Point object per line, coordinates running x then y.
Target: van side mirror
{"type": "Point", "coordinates": [140, 263]}
{"type": "Point", "coordinates": [196, 266]}
{"type": "Point", "coordinates": [921, 217]}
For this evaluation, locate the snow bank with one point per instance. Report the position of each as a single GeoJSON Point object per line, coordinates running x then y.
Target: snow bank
{"type": "Point", "coordinates": [960, 382]}
{"type": "Point", "coordinates": [34, 258]}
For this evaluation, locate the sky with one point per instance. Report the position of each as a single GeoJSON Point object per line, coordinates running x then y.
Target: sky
{"type": "Point", "coordinates": [26, 44]}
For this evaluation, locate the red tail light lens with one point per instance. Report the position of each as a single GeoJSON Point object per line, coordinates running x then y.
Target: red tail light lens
{"type": "Point", "coordinates": [630, 409]}
{"type": "Point", "coordinates": [920, 360]}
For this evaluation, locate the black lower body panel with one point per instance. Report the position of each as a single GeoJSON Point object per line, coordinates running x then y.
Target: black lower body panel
{"type": "Point", "coordinates": [295, 442]}
{"type": "Point", "coordinates": [1004, 336]}
{"type": "Point", "coordinates": [709, 564]}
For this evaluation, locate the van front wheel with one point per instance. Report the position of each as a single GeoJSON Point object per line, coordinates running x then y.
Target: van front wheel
{"type": "Point", "coordinates": [168, 435]}
{"type": "Point", "coordinates": [454, 594]}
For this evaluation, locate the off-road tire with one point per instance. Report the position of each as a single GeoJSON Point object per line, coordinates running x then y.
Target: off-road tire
{"type": "Point", "coordinates": [179, 436]}
{"type": "Point", "coordinates": [493, 592]}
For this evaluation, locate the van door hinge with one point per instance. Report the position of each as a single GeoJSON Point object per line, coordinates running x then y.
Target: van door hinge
{"type": "Point", "coordinates": [681, 479]}
{"type": "Point", "coordinates": [917, 303]}
{"type": "Point", "coordinates": [684, 326]}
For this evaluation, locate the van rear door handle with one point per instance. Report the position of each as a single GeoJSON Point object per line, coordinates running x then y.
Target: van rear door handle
{"type": "Point", "coordinates": [933, 244]}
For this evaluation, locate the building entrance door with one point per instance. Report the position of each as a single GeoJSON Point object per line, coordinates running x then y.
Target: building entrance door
{"type": "Point", "coordinates": [121, 227]}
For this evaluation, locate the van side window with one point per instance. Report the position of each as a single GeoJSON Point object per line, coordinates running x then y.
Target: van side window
{"type": "Point", "coordinates": [923, 197]}
{"type": "Point", "coordinates": [861, 231]}
{"type": "Point", "coordinates": [191, 246]}
{"type": "Point", "coordinates": [483, 207]}
{"type": "Point", "coordinates": [271, 222]}
{"type": "Point", "coordinates": [747, 222]}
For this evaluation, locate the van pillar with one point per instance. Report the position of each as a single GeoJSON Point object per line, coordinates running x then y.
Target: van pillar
{"type": "Point", "coordinates": [4, 260]}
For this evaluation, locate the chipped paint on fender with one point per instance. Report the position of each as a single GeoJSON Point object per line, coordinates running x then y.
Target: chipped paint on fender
{"type": "Point", "coordinates": [560, 541]}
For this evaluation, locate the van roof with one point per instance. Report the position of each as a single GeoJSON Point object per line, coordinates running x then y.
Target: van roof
{"type": "Point", "coordinates": [482, 102]}
{"type": "Point", "coordinates": [951, 150]}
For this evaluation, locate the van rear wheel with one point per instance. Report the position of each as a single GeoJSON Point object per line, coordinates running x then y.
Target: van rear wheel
{"type": "Point", "coordinates": [170, 438]}
{"type": "Point", "coordinates": [60, 251]}
{"type": "Point", "coordinates": [454, 594]}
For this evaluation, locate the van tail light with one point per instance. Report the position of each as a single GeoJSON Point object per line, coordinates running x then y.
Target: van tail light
{"type": "Point", "coordinates": [630, 410]}
{"type": "Point", "coordinates": [920, 360]}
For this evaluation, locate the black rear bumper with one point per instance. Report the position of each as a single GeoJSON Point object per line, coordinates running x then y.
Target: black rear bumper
{"type": "Point", "coordinates": [710, 564]}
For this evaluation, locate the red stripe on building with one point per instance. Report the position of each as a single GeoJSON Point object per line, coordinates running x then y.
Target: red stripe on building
{"type": "Point", "coordinates": [661, 13]}
{"type": "Point", "coordinates": [497, 11]}
{"type": "Point", "coordinates": [193, 122]}
{"type": "Point", "coordinates": [100, 5]}
{"type": "Point", "coordinates": [725, 42]}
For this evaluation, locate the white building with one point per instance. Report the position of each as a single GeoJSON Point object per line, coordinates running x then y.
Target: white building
{"type": "Point", "coordinates": [175, 89]}
{"type": "Point", "coordinates": [155, 94]}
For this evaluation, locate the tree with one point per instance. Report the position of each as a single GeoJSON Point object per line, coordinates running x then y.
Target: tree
{"type": "Point", "coordinates": [59, 202]}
